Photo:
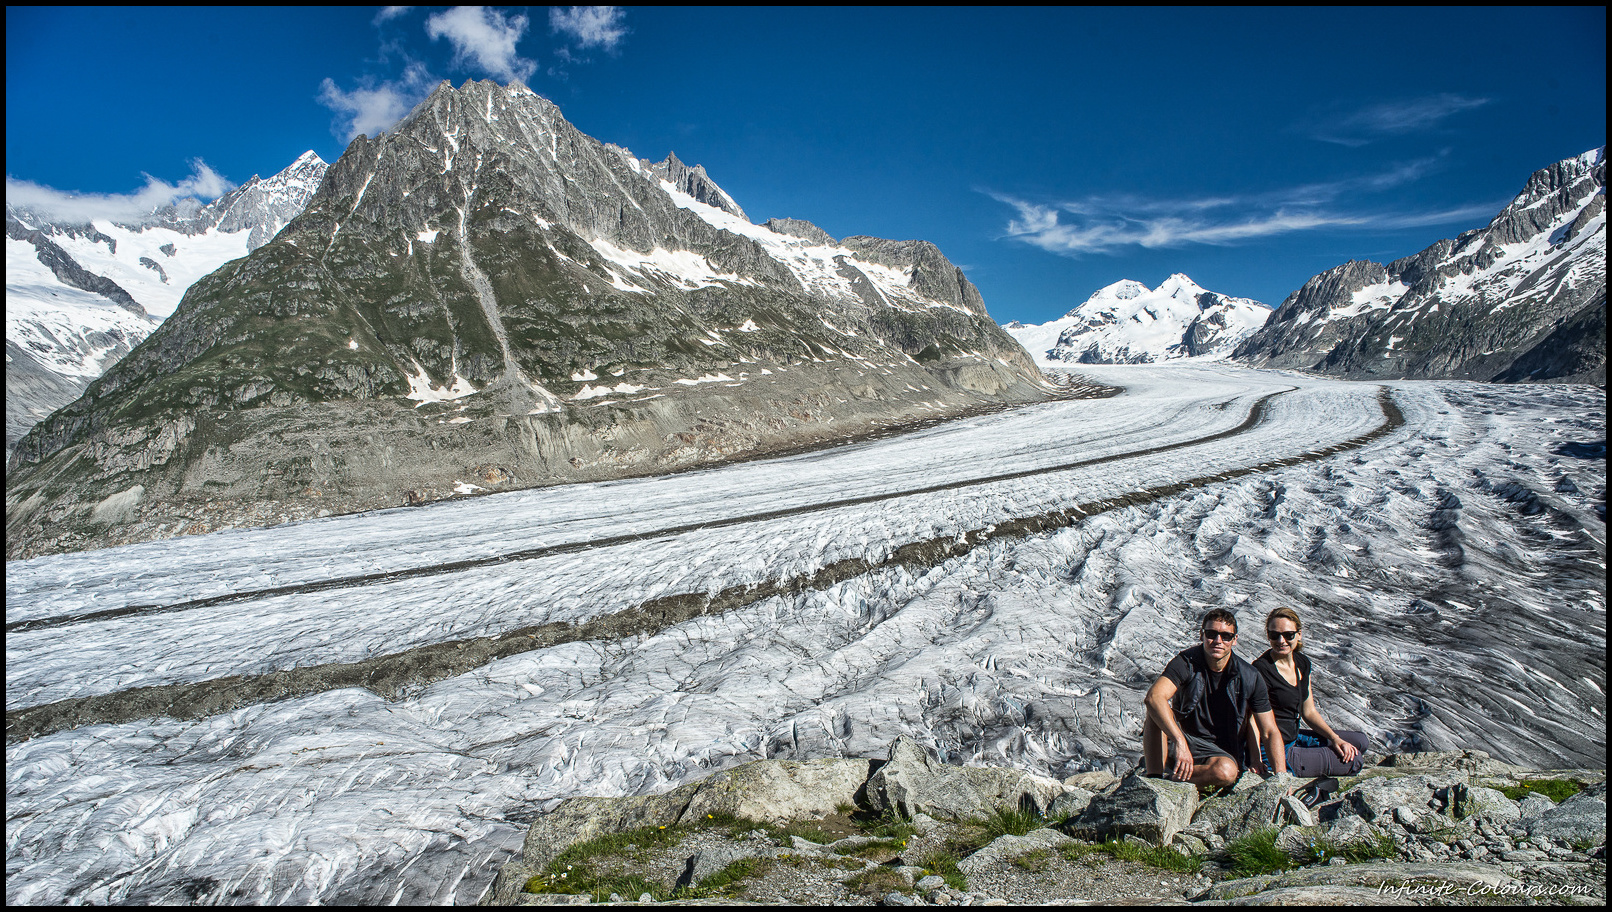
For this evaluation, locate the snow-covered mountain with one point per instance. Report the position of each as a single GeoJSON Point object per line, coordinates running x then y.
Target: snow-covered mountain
{"type": "Point", "coordinates": [485, 297]}
{"type": "Point", "coordinates": [1128, 323]}
{"type": "Point", "coordinates": [1523, 298]}
{"type": "Point", "coordinates": [79, 296]}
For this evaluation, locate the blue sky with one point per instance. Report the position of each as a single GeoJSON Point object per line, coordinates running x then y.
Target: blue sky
{"type": "Point", "coordinates": [1048, 152]}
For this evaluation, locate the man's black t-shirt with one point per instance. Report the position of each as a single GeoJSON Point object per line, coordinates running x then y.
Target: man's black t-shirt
{"type": "Point", "coordinates": [1287, 699]}
{"type": "Point", "coordinates": [1217, 717]}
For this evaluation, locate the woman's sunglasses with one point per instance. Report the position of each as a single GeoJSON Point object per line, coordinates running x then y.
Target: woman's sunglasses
{"type": "Point", "coordinates": [1288, 635]}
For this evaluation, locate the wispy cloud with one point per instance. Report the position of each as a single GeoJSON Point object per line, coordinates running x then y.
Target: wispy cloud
{"type": "Point", "coordinates": [1103, 232]}
{"type": "Point", "coordinates": [1395, 118]}
{"type": "Point", "coordinates": [389, 13]}
{"type": "Point", "coordinates": [1104, 224]}
{"type": "Point", "coordinates": [376, 105]}
{"type": "Point", "coordinates": [203, 184]}
{"type": "Point", "coordinates": [483, 38]}
{"type": "Point", "coordinates": [589, 26]}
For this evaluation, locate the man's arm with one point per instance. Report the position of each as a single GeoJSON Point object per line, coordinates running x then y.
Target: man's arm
{"type": "Point", "coordinates": [1251, 735]}
{"type": "Point", "coordinates": [1159, 710]}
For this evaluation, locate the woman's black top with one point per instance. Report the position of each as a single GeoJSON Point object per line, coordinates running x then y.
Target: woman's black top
{"type": "Point", "coordinates": [1286, 699]}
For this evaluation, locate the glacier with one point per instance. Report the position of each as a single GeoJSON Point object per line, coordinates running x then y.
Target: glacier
{"type": "Point", "coordinates": [1451, 571]}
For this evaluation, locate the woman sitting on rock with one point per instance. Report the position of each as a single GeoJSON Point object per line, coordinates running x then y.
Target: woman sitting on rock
{"type": "Point", "coordinates": [1317, 750]}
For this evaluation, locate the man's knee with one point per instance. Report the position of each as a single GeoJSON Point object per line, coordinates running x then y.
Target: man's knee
{"type": "Point", "coordinates": [1222, 770]}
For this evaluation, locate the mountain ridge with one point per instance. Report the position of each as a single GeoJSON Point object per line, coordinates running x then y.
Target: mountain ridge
{"type": "Point", "coordinates": [1525, 289]}
{"type": "Point", "coordinates": [1126, 322]}
{"type": "Point", "coordinates": [486, 298]}
{"type": "Point", "coordinates": [76, 303]}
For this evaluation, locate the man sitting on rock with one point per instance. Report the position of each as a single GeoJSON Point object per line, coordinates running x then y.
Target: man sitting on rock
{"type": "Point", "coordinates": [1197, 710]}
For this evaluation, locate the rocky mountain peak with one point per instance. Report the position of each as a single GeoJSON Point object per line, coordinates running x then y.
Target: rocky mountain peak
{"type": "Point", "coordinates": [511, 302]}
{"type": "Point", "coordinates": [1522, 297]}
{"type": "Point", "coordinates": [263, 207]}
{"type": "Point", "coordinates": [696, 183]}
{"type": "Point", "coordinates": [800, 228]}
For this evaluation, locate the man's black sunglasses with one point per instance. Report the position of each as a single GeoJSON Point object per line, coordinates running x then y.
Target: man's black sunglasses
{"type": "Point", "coordinates": [1226, 635]}
{"type": "Point", "coordinates": [1288, 635]}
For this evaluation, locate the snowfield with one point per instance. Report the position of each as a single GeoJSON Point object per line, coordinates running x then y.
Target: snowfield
{"type": "Point", "coordinates": [1451, 574]}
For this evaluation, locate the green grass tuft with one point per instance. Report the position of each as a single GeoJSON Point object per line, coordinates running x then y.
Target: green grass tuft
{"type": "Point", "coordinates": [1257, 853]}
{"type": "Point", "coordinates": [1034, 861]}
{"type": "Point", "coordinates": [1011, 822]}
{"type": "Point", "coordinates": [944, 863]}
{"type": "Point", "coordinates": [1152, 856]}
{"type": "Point", "coordinates": [1356, 851]}
{"type": "Point", "coordinates": [722, 881]}
{"type": "Point", "coordinates": [888, 825]}
{"type": "Point", "coordinates": [878, 882]}
{"type": "Point", "coordinates": [1557, 790]}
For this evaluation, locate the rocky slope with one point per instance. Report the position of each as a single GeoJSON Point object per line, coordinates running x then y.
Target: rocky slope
{"type": "Point", "coordinates": [80, 296]}
{"type": "Point", "coordinates": [487, 290]}
{"type": "Point", "coordinates": [1521, 299]}
{"type": "Point", "coordinates": [1128, 323]}
{"type": "Point", "coordinates": [910, 830]}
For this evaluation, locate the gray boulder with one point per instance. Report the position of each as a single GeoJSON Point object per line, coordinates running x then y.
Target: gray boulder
{"type": "Point", "coordinates": [913, 782]}
{"type": "Point", "coordinates": [1295, 811]}
{"type": "Point", "coordinates": [1096, 781]}
{"type": "Point", "coordinates": [1241, 813]}
{"type": "Point", "coordinates": [1476, 803]}
{"type": "Point", "coordinates": [1533, 805]}
{"type": "Point", "coordinates": [1006, 848]}
{"type": "Point", "coordinates": [777, 791]}
{"type": "Point", "coordinates": [1071, 802]}
{"type": "Point", "coordinates": [1352, 829]}
{"type": "Point", "coordinates": [1378, 797]}
{"type": "Point", "coordinates": [578, 820]}
{"type": "Point", "coordinates": [1581, 818]}
{"type": "Point", "coordinates": [1152, 809]}
{"type": "Point", "coordinates": [711, 859]}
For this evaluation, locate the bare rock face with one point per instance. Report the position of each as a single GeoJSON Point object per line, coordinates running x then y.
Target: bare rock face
{"type": "Point", "coordinates": [1150, 809]}
{"type": "Point", "coordinates": [1522, 299]}
{"type": "Point", "coordinates": [485, 285]}
{"type": "Point", "coordinates": [913, 782]}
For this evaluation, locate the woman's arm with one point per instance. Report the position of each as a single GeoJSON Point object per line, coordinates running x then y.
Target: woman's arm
{"type": "Point", "coordinates": [1342, 748]}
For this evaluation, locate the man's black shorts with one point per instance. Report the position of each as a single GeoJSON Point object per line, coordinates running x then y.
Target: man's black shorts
{"type": "Point", "coordinates": [1202, 751]}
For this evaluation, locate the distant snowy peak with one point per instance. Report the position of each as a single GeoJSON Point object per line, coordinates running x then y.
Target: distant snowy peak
{"type": "Point", "coordinates": [80, 296]}
{"type": "Point", "coordinates": [260, 207]}
{"type": "Point", "coordinates": [263, 207]}
{"type": "Point", "coordinates": [1129, 323]}
{"type": "Point", "coordinates": [1522, 298]}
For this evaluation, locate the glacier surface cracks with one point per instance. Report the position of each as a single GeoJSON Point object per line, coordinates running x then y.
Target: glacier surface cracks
{"type": "Point", "coordinates": [1451, 574]}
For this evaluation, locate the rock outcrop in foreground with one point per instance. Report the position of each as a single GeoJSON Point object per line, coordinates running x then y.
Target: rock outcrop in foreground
{"type": "Point", "coordinates": [1415, 828]}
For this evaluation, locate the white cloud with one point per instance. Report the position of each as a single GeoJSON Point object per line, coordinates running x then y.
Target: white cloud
{"type": "Point", "coordinates": [1102, 224]}
{"type": "Point", "coordinates": [589, 26]}
{"type": "Point", "coordinates": [483, 36]}
{"type": "Point", "coordinates": [1041, 226]}
{"type": "Point", "coordinates": [373, 108]}
{"type": "Point", "coordinates": [1394, 118]}
{"type": "Point", "coordinates": [389, 13]}
{"type": "Point", "coordinates": [203, 184]}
